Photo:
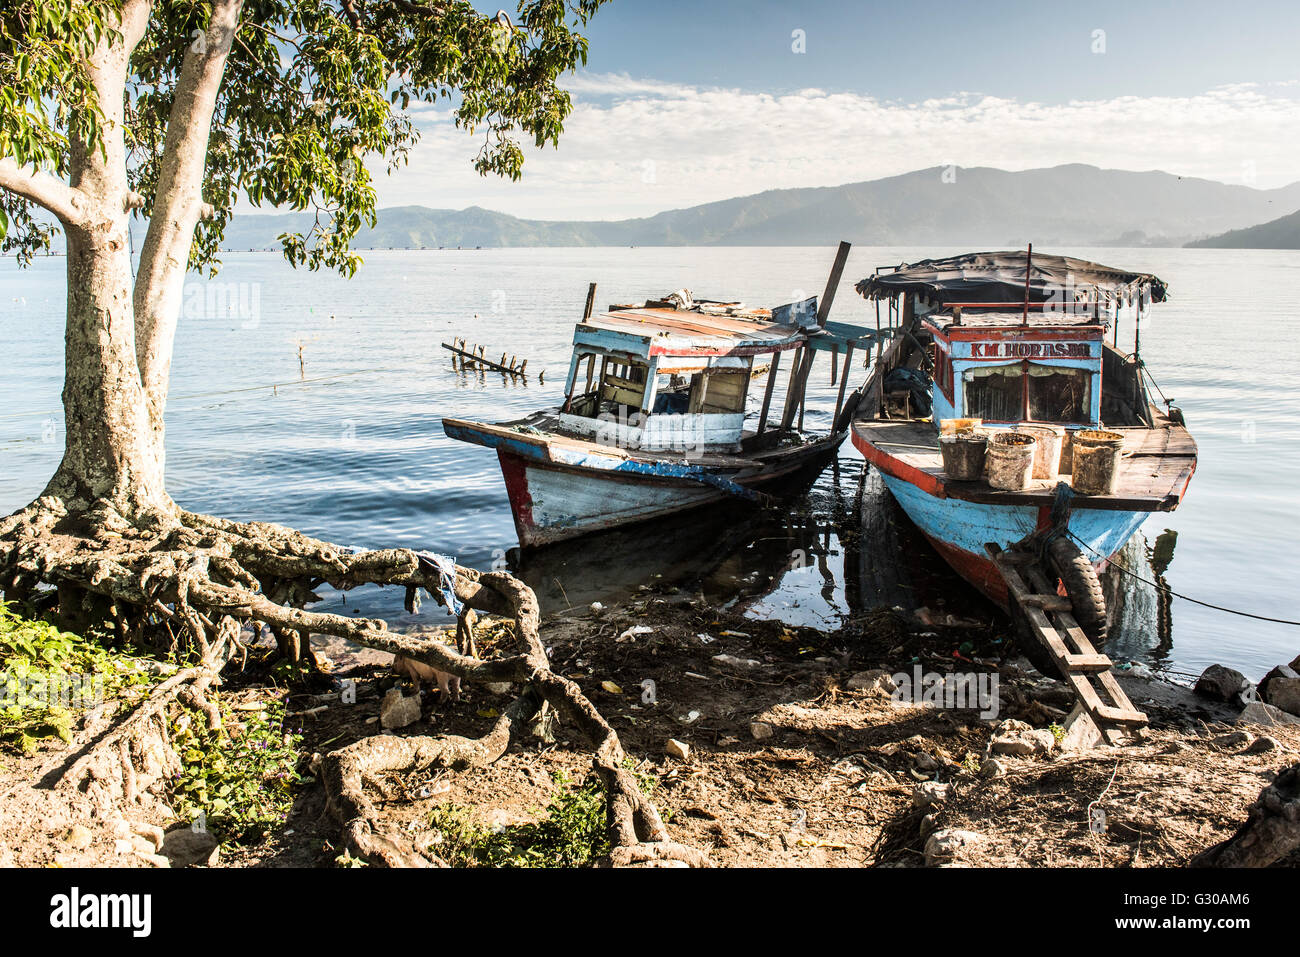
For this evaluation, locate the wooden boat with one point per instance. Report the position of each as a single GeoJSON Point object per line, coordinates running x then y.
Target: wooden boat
{"type": "Point", "coordinates": [654, 420]}
{"type": "Point", "coordinates": [1012, 338]}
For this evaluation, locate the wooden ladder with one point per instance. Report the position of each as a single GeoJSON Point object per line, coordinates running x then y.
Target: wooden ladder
{"type": "Point", "coordinates": [1100, 698]}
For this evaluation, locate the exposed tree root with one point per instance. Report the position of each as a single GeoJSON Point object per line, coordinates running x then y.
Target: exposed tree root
{"type": "Point", "coordinates": [194, 584]}
{"type": "Point", "coordinates": [1271, 831]}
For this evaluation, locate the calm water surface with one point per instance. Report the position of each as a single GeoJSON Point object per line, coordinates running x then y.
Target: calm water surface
{"type": "Point", "coordinates": [306, 399]}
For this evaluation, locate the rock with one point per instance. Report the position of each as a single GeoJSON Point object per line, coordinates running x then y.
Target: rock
{"type": "Point", "coordinates": [677, 749]}
{"type": "Point", "coordinates": [942, 847]}
{"type": "Point", "coordinates": [79, 836]}
{"type": "Point", "coordinates": [183, 847]}
{"type": "Point", "coordinates": [992, 768]}
{"type": "Point", "coordinates": [1257, 712]}
{"type": "Point", "coordinates": [1221, 683]}
{"type": "Point", "coordinates": [1295, 665]}
{"type": "Point", "coordinates": [1233, 739]}
{"type": "Point", "coordinates": [1263, 744]}
{"type": "Point", "coordinates": [498, 687]}
{"type": "Point", "coordinates": [1020, 740]}
{"type": "Point", "coordinates": [760, 730]}
{"type": "Point", "coordinates": [1281, 688]}
{"type": "Point", "coordinates": [150, 832]}
{"type": "Point", "coordinates": [121, 846]}
{"type": "Point", "coordinates": [1175, 747]}
{"type": "Point", "coordinates": [928, 794]}
{"type": "Point", "coordinates": [734, 662]}
{"type": "Point", "coordinates": [157, 860]}
{"type": "Point", "coordinates": [874, 680]}
{"type": "Point", "coordinates": [926, 762]}
{"type": "Point", "coordinates": [397, 710]}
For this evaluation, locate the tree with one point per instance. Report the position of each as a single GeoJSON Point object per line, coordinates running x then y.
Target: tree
{"type": "Point", "coordinates": [177, 109]}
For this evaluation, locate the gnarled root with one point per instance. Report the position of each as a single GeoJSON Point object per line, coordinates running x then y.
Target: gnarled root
{"type": "Point", "coordinates": [195, 584]}
{"type": "Point", "coordinates": [1271, 831]}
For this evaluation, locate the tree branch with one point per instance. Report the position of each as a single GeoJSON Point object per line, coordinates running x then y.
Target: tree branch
{"type": "Point", "coordinates": [44, 189]}
{"type": "Point", "coordinates": [178, 203]}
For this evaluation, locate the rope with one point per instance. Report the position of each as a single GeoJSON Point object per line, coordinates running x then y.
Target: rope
{"type": "Point", "coordinates": [1169, 591]}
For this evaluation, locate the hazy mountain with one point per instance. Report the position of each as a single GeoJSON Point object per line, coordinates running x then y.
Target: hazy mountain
{"type": "Point", "coordinates": [1281, 233]}
{"type": "Point", "coordinates": [1074, 204]}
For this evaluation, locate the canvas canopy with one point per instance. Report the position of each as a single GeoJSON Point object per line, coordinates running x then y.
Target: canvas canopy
{"type": "Point", "coordinates": [1000, 277]}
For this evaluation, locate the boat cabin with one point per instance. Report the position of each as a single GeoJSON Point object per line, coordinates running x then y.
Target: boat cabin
{"type": "Point", "coordinates": [675, 375]}
{"type": "Point", "coordinates": [1009, 345]}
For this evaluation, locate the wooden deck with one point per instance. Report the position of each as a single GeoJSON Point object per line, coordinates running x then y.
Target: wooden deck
{"type": "Point", "coordinates": [1154, 472]}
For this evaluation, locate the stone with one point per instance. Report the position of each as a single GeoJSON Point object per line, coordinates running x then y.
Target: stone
{"type": "Point", "coordinates": [1263, 744]}
{"type": "Point", "coordinates": [1222, 684]}
{"type": "Point", "coordinates": [1233, 739]}
{"type": "Point", "coordinates": [926, 762]}
{"type": "Point", "coordinates": [184, 847]}
{"type": "Point", "coordinates": [1281, 689]}
{"type": "Point", "coordinates": [157, 860]}
{"type": "Point", "coordinates": [760, 730]}
{"type": "Point", "coordinates": [150, 832]}
{"type": "Point", "coordinates": [992, 768]}
{"type": "Point", "coordinates": [1257, 712]}
{"type": "Point", "coordinates": [498, 687]}
{"type": "Point", "coordinates": [121, 846]}
{"type": "Point", "coordinates": [929, 793]}
{"type": "Point", "coordinates": [79, 836]}
{"type": "Point", "coordinates": [875, 680]}
{"type": "Point", "coordinates": [1020, 740]}
{"type": "Point", "coordinates": [677, 749]}
{"type": "Point", "coordinates": [1295, 665]}
{"type": "Point", "coordinates": [942, 847]}
{"type": "Point", "coordinates": [397, 710]}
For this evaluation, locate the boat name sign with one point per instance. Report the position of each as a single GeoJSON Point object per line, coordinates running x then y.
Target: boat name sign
{"type": "Point", "coordinates": [1029, 350]}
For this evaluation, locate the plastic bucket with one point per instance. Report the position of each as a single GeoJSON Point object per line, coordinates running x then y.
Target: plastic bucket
{"type": "Point", "coordinates": [1047, 457]}
{"type": "Point", "coordinates": [1010, 460]}
{"type": "Point", "coordinates": [1095, 468]}
{"type": "Point", "coordinates": [963, 456]}
{"type": "Point", "coordinates": [957, 426]}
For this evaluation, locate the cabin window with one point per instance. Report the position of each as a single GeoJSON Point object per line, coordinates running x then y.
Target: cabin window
{"type": "Point", "coordinates": [624, 384]}
{"type": "Point", "coordinates": [1060, 394]}
{"type": "Point", "coordinates": [1028, 391]}
{"type": "Point", "coordinates": [718, 391]}
{"type": "Point", "coordinates": [995, 393]}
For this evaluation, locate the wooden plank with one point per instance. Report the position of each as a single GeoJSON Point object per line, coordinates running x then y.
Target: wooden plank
{"type": "Point", "coordinates": [767, 393]}
{"type": "Point", "coordinates": [1088, 663]}
{"type": "Point", "coordinates": [591, 302]}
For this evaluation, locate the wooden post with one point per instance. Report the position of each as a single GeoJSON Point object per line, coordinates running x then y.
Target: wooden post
{"type": "Point", "coordinates": [799, 376]}
{"type": "Point", "coordinates": [591, 302]}
{"type": "Point", "coordinates": [844, 381]}
{"type": "Point", "coordinates": [767, 393]}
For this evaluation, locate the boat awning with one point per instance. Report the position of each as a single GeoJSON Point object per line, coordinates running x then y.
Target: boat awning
{"type": "Point", "coordinates": [1000, 277]}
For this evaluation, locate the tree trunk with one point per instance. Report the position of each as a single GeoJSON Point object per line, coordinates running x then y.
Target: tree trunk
{"type": "Point", "coordinates": [111, 462]}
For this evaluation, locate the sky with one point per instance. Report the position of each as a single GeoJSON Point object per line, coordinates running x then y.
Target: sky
{"type": "Point", "coordinates": [684, 103]}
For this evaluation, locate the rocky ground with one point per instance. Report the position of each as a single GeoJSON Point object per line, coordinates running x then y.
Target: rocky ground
{"type": "Point", "coordinates": [771, 746]}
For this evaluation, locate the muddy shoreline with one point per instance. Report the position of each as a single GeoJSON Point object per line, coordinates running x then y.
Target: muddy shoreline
{"type": "Point", "coordinates": [795, 752]}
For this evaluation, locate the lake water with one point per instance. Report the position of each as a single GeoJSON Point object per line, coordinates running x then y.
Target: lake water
{"type": "Point", "coordinates": [306, 399]}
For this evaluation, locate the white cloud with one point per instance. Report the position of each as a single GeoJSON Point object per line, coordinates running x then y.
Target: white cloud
{"type": "Point", "coordinates": [635, 146]}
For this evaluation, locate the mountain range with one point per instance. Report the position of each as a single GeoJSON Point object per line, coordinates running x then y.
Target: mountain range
{"type": "Point", "coordinates": [1281, 233]}
{"type": "Point", "coordinates": [1073, 204]}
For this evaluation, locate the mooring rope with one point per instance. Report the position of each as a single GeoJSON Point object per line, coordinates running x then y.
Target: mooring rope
{"type": "Point", "coordinates": [1169, 591]}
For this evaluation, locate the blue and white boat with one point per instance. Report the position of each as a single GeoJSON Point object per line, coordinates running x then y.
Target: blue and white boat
{"type": "Point", "coordinates": [1013, 339]}
{"type": "Point", "coordinates": [657, 417]}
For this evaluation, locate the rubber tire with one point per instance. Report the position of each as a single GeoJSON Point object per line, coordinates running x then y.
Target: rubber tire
{"type": "Point", "coordinates": [1083, 588]}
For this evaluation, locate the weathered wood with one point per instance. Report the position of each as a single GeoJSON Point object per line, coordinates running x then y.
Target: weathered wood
{"type": "Point", "coordinates": [767, 392]}
{"type": "Point", "coordinates": [1105, 704]}
{"type": "Point", "coordinates": [591, 301]}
